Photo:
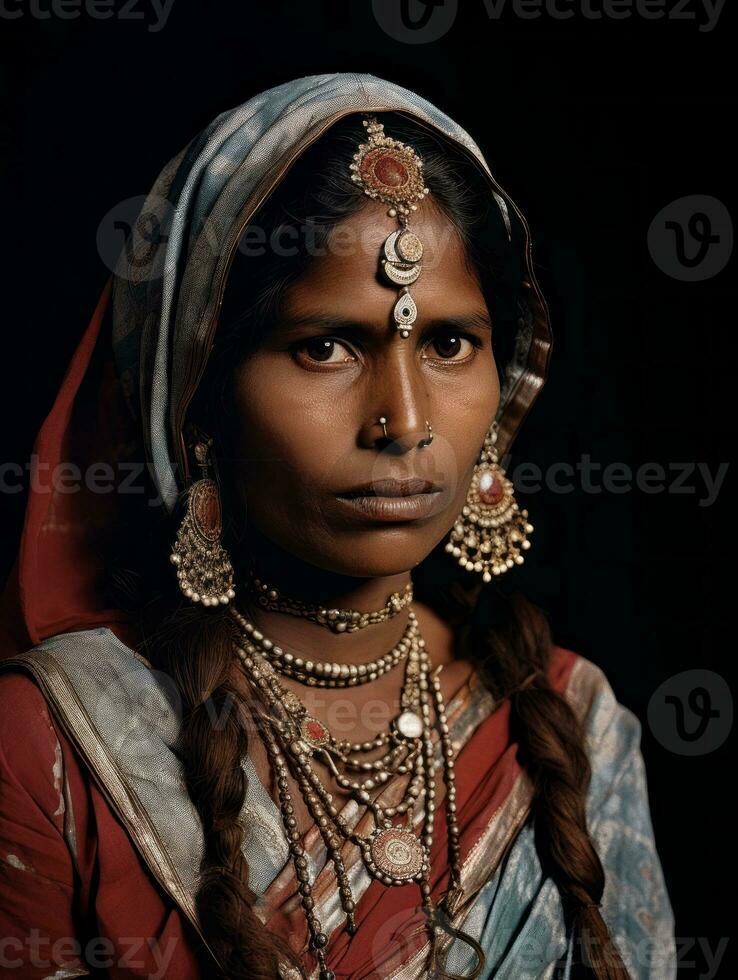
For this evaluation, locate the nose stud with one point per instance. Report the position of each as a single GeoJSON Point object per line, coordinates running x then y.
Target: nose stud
{"type": "Point", "coordinates": [423, 442]}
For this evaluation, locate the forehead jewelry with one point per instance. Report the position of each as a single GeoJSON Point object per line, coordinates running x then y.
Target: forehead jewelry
{"type": "Point", "coordinates": [392, 172]}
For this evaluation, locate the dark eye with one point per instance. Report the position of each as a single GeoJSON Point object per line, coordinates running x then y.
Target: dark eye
{"type": "Point", "coordinates": [449, 344]}
{"type": "Point", "coordinates": [324, 350]}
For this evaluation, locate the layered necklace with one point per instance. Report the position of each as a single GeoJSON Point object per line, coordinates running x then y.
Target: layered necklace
{"type": "Point", "coordinates": [294, 739]}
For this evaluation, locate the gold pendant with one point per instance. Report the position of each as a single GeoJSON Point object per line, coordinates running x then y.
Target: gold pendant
{"type": "Point", "coordinates": [396, 854]}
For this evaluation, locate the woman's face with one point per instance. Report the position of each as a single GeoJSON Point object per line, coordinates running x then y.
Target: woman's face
{"type": "Point", "coordinates": [309, 399]}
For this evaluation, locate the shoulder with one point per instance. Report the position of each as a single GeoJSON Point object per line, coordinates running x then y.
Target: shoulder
{"type": "Point", "coordinates": [612, 732]}
{"type": "Point", "coordinates": [24, 711]}
{"type": "Point", "coordinates": [595, 703]}
{"type": "Point", "coordinates": [636, 902]}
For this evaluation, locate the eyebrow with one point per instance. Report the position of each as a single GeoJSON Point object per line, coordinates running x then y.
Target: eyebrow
{"type": "Point", "coordinates": [336, 324]}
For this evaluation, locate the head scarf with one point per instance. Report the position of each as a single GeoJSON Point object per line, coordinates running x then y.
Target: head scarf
{"type": "Point", "coordinates": [134, 372]}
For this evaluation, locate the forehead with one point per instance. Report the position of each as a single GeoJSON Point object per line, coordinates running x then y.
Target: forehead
{"type": "Point", "coordinates": [349, 276]}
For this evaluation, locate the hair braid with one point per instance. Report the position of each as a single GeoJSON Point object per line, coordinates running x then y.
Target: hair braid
{"type": "Point", "coordinates": [213, 742]}
{"type": "Point", "coordinates": [551, 748]}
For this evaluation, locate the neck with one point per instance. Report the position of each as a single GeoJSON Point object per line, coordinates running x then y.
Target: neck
{"type": "Point", "coordinates": [298, 579]}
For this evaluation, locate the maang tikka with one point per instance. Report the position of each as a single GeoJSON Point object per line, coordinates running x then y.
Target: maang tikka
{"type": "Point", "coordinates": [204, 570]}
{"type": "Point", "coordinates": [392, 172]}
{"type": "Point", "coordinates": [492, 531]}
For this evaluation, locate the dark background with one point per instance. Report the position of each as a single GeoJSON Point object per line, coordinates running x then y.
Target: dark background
{"type": "Point", "coordinates": [592, 127]}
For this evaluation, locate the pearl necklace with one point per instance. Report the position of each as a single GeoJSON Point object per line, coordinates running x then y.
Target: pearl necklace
{"type": "Point", "coordinates": [321, 673]}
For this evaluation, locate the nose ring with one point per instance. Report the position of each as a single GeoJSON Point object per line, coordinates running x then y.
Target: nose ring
{"type": "Point", "coordinates": [423, 442]}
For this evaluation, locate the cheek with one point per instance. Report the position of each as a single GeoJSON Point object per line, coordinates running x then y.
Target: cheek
{"type": "Point", "coordinates": [470, 405]}
{"type": "Point", "coordinates": [468, 412]}
{"type": "Point", "coordinates": [283, 435]}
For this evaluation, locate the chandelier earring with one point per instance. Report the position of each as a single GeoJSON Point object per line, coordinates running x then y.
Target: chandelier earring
{"type": "Point", "coordinates": [204, 569]}
{"type": "Point", "coordinates": [492, 531]}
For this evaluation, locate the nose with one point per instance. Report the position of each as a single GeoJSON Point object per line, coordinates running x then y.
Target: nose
{"type": "Point", "coordinates": [398, 394]}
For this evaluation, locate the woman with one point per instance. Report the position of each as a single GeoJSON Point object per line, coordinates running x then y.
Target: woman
{"type": "Point", "coordinates": [272, 708]}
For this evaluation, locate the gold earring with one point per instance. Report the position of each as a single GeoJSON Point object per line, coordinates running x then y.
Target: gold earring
{"type": "Point", "coordinates": [491, 531]}
{"type": "Point", "coordinates": [204, 569]}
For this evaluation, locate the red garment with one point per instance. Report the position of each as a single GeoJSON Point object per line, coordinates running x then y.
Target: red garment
{"type": "Point", "coordinates": [103, 902]}
{"type": "Point", "coordinates": [54, 588]}
{"type": "Point", "coordinates": [54, 904]}
{"type": "Point", "coordinates": [54, 584]}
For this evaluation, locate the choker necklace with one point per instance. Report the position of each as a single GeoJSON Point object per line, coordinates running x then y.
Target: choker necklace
{"type": "Point", "coordinates": [338, 620]}
{"type": "Point", "coordinates": [321, 673]}
{"type": "Point", "coordinates": [391, 853]}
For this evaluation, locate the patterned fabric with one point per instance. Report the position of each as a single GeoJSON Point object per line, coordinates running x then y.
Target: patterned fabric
{"type": "Point", "coordinates": [122, 719]}
{"type": "Point", "coordinates": [635, 903]}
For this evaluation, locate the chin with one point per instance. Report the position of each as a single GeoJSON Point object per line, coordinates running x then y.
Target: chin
{"type": "Point", "coordinates": [380, 553]}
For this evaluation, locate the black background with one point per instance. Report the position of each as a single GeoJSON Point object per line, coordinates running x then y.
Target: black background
{"type": "Point", "coordinates": [592, 127]}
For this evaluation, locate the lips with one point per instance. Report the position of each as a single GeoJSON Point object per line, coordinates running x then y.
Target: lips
{"type": "Point", "coordinates": [392, 488]}
{"type": "Point", "coordinates": [374, 509]}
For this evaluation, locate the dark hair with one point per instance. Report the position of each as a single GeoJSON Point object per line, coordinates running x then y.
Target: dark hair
{"type": "Point", "coordinates": [500, 630]}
